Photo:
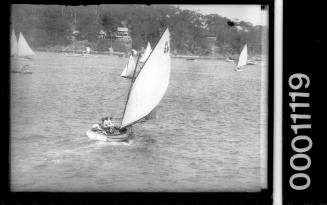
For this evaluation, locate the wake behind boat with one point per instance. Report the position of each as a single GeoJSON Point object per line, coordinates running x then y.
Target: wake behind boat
{"type": "Point", "coordinates": [145, 92]}
{"type": "Point", "coordinates": [101, 135]}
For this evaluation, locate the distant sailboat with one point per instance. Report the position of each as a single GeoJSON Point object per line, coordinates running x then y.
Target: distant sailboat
{"type": "Point", "coordinates": [145, 93]}
{"type": "Point", "coordinates": [13, 44]}
{"type": "Point", "coordinates": [20, 49]}
{"type": "Point", "coordinates": [22, 70]}
{"type": "Point", "coordinates": [23, 48]}
{"type": "Point", "coordinates": [243, 59]}
{"type": "Point", "coordinates": [129, 68]}
{"type": "Point", "coordinates": [146, 53]}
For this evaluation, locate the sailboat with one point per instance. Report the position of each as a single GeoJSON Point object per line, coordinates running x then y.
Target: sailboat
{"type": "Point", "coordinates": [23, 69]}
{"type": "Point", "coordinates": [23, 48]}
{"type": "Point", "coordinates": [20, 49]}
{"type": "Point", "coordinates": [145, 93]}
{"type": "Point", "coordinates": [146, 53]}
{"type": "Point", "coordinates": [129, 68]}
{"type": "Point", "coordinates": [243, 58]}
{"type": "Point", "coordinates": [13, 44]}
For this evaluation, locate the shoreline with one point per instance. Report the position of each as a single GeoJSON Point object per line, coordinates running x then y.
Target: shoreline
{"type": "Point", "coordinates": [198, 57]}
{"type": "Point", "coordinates": [122, 54]}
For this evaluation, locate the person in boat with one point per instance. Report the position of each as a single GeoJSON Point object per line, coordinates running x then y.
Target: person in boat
{"type": "Point", "coordinates": [108, 125]}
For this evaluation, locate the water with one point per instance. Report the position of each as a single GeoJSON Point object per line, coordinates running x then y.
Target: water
{"type": "Point", "coordinates": [206, 135]}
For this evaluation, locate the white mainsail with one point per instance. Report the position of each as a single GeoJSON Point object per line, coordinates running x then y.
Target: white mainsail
{"type": "Point", "coordinates": [146, 53]}
{"type": "Point", "coordinates": [13, 44]}
{"type": "Point", "coordinates": [242, 60]}
{"type": "Point", "coordinates": [129, 68]}
{"type": "Point", "coordinates": [23, 47]}
{"type": "Point", "coordinates": [151, 83]}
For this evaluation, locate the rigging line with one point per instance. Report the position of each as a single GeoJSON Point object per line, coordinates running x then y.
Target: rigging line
{"type": "Point", "coordinates": [132, 82]}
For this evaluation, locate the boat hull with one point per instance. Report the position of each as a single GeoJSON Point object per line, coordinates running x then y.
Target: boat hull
{"type": "Point", "coordinates": [108, 138]}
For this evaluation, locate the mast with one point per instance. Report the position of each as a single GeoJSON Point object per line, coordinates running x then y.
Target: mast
{"type": "Point", "coordinates": [130, 87]}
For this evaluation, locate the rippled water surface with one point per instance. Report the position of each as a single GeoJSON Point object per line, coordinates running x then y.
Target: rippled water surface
{"type": "Point", "coordinates": [207, 135]}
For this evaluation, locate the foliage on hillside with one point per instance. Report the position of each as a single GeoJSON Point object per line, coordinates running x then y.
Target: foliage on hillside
{"type": "Point", "coordinates": [52, 25]}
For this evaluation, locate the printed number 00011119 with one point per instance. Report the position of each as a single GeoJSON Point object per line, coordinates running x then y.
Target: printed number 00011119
{"type": "Point", "coordinates": [300, 152]}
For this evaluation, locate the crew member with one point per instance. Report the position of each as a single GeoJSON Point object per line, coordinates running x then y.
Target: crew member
{"type": "Point", "coordinates": [107, 124]}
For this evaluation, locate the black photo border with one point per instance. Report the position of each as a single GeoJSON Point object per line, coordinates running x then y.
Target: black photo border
{"type": "Point", "coordinates": [304, 53]}
{"type": "Point", "coordinates": [263, 197]}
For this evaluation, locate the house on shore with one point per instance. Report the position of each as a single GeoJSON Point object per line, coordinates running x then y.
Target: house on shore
{"type": "Point", "coordinates": [123, 40]}
{"type": "Point", "coordinates": [102, 34]}
{"type": "Point", "coordinates": [122, 33]}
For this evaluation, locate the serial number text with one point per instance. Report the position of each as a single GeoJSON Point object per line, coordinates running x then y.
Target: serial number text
{"type": "Point", "coordinates": [299, 84]}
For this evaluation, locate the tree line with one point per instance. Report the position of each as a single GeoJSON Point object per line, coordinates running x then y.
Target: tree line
{"type": "Point", "coordinates": [52, 25]}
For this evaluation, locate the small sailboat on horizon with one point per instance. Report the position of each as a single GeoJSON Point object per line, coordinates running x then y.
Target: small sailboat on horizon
{"type": "Point", "coordinates": [23, 69]}
{"type": "Point", "coordinates": [131, 65]}
{"type": "Point", "coordinates": [129, 68]}
{"type": "Point", "coordinates": [145, 92]}
{"type": "Point", "coordinates": [20, 50]}
{"type": "Point", "coordinates": [243, 58]}
{"type": "Point", "coordinates": [24, 50]}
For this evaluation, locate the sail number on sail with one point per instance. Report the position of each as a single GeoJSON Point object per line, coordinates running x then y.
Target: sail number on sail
{"type": "Point", "coordinates": [300, 83]}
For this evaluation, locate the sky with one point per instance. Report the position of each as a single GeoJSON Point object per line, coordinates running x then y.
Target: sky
{"type": "Point", "coordinates": [249, 13]}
